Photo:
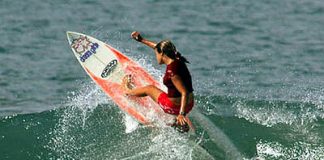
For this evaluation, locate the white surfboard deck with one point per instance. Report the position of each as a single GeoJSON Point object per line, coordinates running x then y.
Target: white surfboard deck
{"type": "Point", "coordinates": [107, 67]}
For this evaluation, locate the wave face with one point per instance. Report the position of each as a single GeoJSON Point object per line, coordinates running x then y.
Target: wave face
{"type": "Point", "coordinates": [257, 70]}
{"type": "Point", "coordinates": [90, 126]}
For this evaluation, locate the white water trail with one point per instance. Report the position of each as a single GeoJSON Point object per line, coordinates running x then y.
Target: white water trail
{"type": "Point", "coordinates": [217, 136]}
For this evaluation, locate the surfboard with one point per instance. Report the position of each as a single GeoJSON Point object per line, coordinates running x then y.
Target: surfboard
{"type": "Point", "coordinates": [107, 67]}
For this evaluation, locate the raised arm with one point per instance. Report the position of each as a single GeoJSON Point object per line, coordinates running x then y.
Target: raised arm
{"type": "Point", "coordinates": [137, 36]}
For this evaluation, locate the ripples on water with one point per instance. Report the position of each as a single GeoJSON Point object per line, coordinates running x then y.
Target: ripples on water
{"type": "Point", "coordinates": [257, 70]}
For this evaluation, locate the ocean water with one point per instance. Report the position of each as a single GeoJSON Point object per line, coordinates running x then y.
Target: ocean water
{"type": "Point", "coordinates": [257, 68]}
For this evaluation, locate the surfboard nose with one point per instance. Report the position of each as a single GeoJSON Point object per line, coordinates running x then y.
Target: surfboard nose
{"type": "Point", "coordinates": [69, 35]}
{"type": "Point", "coordinates": [72, 35]}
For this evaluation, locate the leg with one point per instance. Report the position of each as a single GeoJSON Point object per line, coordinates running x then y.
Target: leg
{"type": "Point", "coordinates": [149, 90]}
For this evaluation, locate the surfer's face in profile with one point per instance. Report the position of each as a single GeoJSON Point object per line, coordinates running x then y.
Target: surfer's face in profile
{"type": "Point", "coordinates": [159, 56]}
{"type": "Point", "coordinates": [164, 50]}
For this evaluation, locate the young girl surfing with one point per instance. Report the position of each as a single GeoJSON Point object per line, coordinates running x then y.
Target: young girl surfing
{"type": "Point", "coordinates": [179, 100]}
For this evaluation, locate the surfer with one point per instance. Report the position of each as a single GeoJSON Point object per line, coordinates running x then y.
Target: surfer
{"type": "Point", "coordinates": [179, 100]}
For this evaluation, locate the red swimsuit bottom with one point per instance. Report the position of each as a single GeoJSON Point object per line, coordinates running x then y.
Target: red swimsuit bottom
{"type": "Point", "coordinates": [168, 106]}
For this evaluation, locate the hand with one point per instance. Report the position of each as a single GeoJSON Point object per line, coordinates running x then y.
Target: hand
{"type": "Point", "coordinates": [137, 36]}
{"type": "Point", "coordinates": [181, 120]}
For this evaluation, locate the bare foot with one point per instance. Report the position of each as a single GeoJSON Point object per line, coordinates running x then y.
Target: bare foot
{"type": "Point", "coordinates": [127, 83]}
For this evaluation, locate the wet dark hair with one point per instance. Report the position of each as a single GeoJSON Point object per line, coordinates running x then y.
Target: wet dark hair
{"type": "Point", "coordinates": [168, 48]}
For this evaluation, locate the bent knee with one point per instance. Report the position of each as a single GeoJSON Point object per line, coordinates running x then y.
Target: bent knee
{"type": "Point", "coordinates": [153, 92]}
{"type": "Point", "coordinates": [151, 87]}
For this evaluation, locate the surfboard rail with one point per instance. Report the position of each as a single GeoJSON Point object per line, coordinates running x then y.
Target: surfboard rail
{"type": "Point", "coordinates": [107, 66]}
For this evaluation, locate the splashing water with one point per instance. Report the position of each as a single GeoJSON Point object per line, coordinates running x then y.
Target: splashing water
{"type": "Point", "coordinates": [298, 150]}
{"type": "Point", "coordinates": [130, 123]}
{"type": "Point", "coordinates": [90, 127]}
{"type": "Point", "coordinates": [78, 108]}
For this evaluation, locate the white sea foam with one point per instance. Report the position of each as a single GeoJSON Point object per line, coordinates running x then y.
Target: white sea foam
{"type": "Point", "coordinates": [87, 98]}
{"type": "Point", "coordinates": [79, 106]}
{"type": "Point", "coordinates": [298, 150]}
{"type": "Point", "coordinates": [299, 121]}
{"type": "Point", "coordinates": [130, 123]}
{"type": "Point", "coordinates": [274, 114]}
{"type": "Point", "coordinates": [265, 116]}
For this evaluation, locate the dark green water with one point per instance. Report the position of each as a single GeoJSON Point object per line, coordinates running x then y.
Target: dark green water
{"type": "Point", "coordinates": [257, 68]}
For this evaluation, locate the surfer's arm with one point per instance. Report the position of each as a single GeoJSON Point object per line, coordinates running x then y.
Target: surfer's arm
{"type": "Point", "coordinates": [149, 43]}
{"type": "Point", "coordinates": [137, 36]}
{"type": "Point", "coordinates": [176, 80]}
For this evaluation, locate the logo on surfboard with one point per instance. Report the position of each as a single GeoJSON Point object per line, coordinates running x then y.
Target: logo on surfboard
{"type": "Point", "coordinates": [84, 45]}
{"type": "Point", "coordinates": [109, 68]}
